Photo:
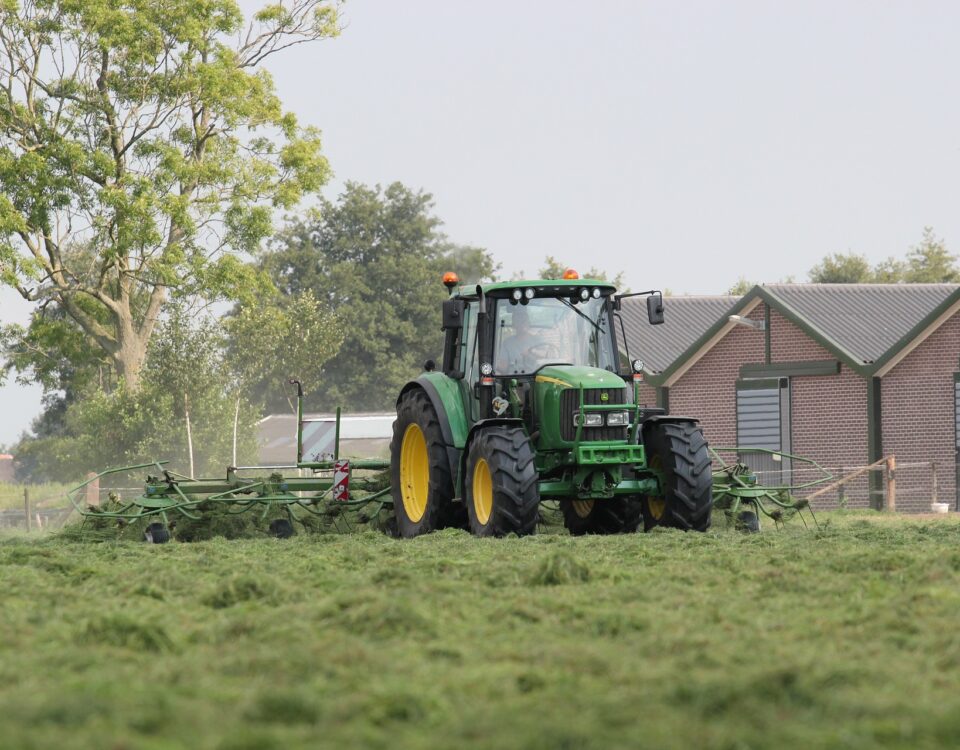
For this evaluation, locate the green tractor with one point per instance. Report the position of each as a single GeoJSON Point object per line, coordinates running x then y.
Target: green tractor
{"type": "Point", "coordinates": [531, 403]}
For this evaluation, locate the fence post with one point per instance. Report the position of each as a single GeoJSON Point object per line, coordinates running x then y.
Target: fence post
{"type": "Point", "coordinates": [28, 521]}
{"type": "Point", "coordinates": [892, 484]}
{"type": "Point", "coordinates": [935, 485]}
{"type": "Point", "coordinates": [841, 492]}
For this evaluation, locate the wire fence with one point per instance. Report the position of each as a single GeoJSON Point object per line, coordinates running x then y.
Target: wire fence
{"type": "Point", "coordinates": [910, 487]}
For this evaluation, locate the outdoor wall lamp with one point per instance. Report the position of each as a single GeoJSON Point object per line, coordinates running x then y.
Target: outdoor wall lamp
{"type": "Point", "coordinates": [760, 325]}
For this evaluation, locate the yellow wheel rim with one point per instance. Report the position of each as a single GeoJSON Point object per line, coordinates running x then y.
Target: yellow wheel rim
{"type": "Point", "coordinates": [656, 505]}
{"type": "Point", "coordinates": [583, 507]}
{"type": "Point", "coordinates": [414, 472]}
{"type": "Point", "coordinates": [482, 491]}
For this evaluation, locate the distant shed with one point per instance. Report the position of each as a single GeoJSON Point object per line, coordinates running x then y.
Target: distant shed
{"type": "Point", "coordinates": [361, 436]}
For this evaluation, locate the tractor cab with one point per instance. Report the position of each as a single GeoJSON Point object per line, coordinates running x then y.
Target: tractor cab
{"type": "Point", "coordinates": [511, 335]}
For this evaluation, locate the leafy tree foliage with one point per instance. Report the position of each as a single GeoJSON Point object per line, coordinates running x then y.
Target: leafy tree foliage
{"type": "Point", "coordinates": [375, 256]}
{"type": "Point", "coordinates": [741, 287]}
{"type": "Point", "coordinates": [842, 268]}
{"type": "Point", "coordinates": [185, 370]}
{"type": "Point", "coordinates": [269, 344]}
{"type": "Point", "coordinates": [553, 269]}
{"type": "Point", "coordinates": [928, 262]}
{"type": "Point", "coordinates": [142, 146]}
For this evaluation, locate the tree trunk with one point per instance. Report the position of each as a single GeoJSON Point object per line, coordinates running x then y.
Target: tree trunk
{"type": "Point", "coordinates": [130, 354]}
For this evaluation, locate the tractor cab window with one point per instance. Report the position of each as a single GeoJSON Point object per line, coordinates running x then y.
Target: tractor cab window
{"type": "Point", "coordinates": [552, 330]}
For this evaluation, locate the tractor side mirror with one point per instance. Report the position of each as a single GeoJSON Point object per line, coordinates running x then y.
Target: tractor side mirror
{"type": "Point", "coordinates": [453, 314]}
{"type": "Point", "coordinates": [655, 309]}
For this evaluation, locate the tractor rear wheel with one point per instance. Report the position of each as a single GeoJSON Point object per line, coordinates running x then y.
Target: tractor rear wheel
{"type": "Point", "coordinates": [618, 515]}
{"type": "Point", "coordinates": [420, 480]}
{"type": "Point", "coordinates": [679, 452]}
{"type": "Point", "coordinates": [502, 493]}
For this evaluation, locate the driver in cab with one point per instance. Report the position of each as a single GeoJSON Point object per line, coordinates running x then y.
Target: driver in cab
{"type": "Point", "coordinates": [522, 352]}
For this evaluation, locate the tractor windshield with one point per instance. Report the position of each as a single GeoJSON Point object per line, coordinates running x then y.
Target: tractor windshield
{"type": "Point", "coordinates": [552, 330]}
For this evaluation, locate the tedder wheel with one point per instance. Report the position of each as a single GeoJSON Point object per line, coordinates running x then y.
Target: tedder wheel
{"type": "Point", "coordinates": [281, 528]}
{"type": "Point", "coordinates": [678, 450]}
{"type": "Point", "coordinates": [618, 515]}
{"type": "Point", "coordinates": [419, 473]}
{"type": "Point", "coordinates": [156, 533]}
{"type": "Point", "coordinates": [749, 521]}
{"type": "Point", "coordinates": [502, 493]}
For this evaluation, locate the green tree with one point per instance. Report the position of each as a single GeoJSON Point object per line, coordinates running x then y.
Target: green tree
{"type": "Point", "coordinates": [269, 344]}
{"type": "Point", "coordinates": [841, 268]}
{"type": "Point", "coordinates": [930, 262]}
{"type": "Point", "coordinates": [142, 147]}
{"type": "Point", "coordinates": [472, 264]}
{"type": "Point", "coordinates": [741, 287]}
{"type": "Point", "coordinates": [553, 269]}
{"type": "Point", "coordinates": [376, 256]}
{"type": "Point", "coordinates": [185, 371]}
{"type": "Point", "coordinates": [889, 271]}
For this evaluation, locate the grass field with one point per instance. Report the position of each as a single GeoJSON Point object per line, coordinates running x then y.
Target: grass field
{"type": "Point", "coordinates": [845, 637]}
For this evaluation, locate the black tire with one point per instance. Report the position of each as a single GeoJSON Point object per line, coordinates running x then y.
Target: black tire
{"type": "Point", "coordinates": [156, 533]}
{"type": "Point", "coordinates": [423, 503]}
{"type": "Point", "coordinates": [510, 502]}
{"type": "Point", "coordinates": [680, 452]}
{"type": "Point", "coordinates": [748, 521]}
{"type": "Point", "coordinates": [617, 515]}
{"type": "Point", "coordinates": [281, 528]}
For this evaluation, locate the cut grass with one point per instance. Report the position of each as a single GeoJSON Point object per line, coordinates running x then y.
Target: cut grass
{"type": "Point", "coordinates": [845, 636]}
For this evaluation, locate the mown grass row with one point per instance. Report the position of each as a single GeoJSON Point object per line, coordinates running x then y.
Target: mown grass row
{"type": "Point", "coordinates": [846, 636]}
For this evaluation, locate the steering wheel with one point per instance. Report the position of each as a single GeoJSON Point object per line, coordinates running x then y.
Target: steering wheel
{"type": "Point", "coordinates": [543, 350]}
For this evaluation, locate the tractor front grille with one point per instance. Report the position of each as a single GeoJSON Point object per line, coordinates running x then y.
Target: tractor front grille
{"type": "Point", "coordinates": [570, 403]}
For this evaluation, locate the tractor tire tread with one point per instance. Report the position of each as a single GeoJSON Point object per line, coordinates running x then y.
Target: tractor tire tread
{"type": "Point", "coordinates": [415, 406]}
{"type": "Point", "coordinates": [510, 458]}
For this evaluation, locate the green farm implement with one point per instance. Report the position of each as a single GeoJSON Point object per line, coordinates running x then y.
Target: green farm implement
{"type": "Point", "coordinates": [738, 493]}
{"type": "Point", "coordinates": [531, 402]}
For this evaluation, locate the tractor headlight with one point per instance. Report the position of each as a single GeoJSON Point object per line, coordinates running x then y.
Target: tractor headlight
{"type": "Point", "coordinates": [517, 294]}
{"type": "Point", "coordinates": [596, 292]}
{"type": "Point", "coordinates": [590, 419]}
{"type": "Point", "coordinates": [486, 369]}
{"type": "Point", "coordinates": [618, 419]}
{"type": "Point", "coordinates": [584, 294]}
{"type": "Point", "coordinates": [528, 293]}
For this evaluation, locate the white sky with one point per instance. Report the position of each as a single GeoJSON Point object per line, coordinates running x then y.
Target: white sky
{"type": "Point", "coordinates": [685, 143]}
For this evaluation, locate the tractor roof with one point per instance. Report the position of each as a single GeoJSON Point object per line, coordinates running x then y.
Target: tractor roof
{"type": "Point", "coordinates": [558, 285]}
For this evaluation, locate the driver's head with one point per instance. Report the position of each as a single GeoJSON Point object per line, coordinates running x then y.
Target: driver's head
{"type": "Point", "coordinates": [521, 322]}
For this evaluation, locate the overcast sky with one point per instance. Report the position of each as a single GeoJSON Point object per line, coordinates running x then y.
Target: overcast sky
{"type": "Point", "coordinates": [684, 143]}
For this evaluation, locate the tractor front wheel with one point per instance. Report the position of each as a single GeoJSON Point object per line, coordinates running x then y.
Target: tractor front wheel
{"type": "Point", "coordinates": [618, 515]}
{"type": "Point", "coordinates": [502, 493]}
{"type": "Point", "coordinates": [678, 452]}
{"type": "Point", "coordinates": [420, 480]}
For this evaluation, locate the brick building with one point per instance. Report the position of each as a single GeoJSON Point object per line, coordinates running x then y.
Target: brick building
{"type": "Point", "coordinates": [844, 374]}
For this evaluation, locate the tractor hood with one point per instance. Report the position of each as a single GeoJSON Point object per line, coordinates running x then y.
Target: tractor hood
{"type": "Point", "coordinates": [573, 376]}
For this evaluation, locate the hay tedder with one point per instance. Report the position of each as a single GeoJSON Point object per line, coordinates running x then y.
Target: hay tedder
{"type": "Point", "coordinates": [529, 404]}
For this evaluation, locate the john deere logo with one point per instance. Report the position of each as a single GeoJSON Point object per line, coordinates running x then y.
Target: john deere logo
{"type": "Point", "coordinates": [604, 396]}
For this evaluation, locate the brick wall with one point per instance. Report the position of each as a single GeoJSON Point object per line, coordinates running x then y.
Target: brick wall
{"type": "Point", "coordinates": [828, 413]}
{"type": "Point", "coordinates": [648, 394]}
{"type": "Point", "coordinates": [707, 390]}
{"type": "Point", "coordinates": [918, 417]}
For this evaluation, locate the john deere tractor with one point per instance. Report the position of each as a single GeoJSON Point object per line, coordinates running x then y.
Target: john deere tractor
{"type": "Point", "coordinates": [531, 403]}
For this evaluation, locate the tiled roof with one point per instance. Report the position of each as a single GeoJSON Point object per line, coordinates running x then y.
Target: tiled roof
{"type": "Point", "coordinates": [865, 320]}
{"type": "Point", "coordinates": [685, 320]}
